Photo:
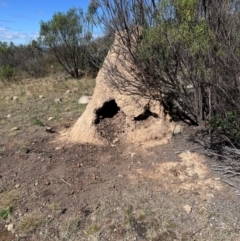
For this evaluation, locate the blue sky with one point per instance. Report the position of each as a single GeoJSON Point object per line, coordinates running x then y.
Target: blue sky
{"type": "Point", "coordinates": [20, 19]}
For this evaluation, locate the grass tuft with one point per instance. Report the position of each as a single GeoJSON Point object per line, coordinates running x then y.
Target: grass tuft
{"type": "Point", "coordinates": [37, 122]}
{"type": "Point", "coordinates": [31, 222]}
{"type": "Point", "coordinates": [92, 229]}
{"type": "Point", "coordinates": [10, 198]}
{"type": "Point", "coordinates": [5, 213]}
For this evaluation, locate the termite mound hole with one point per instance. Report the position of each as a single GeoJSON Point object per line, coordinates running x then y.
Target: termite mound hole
{"type": "Point", "coordinates": [108, 110]}
{"type": "Point", "coordinates": [145, 115]}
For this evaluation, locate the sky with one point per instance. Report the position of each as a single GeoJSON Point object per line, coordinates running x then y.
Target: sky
{"type": "Point", "coordinates": [20, 19]}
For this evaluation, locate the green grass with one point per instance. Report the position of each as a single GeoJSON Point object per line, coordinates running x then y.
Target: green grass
{"type": "Point", "coordinates": [5, 212]}
{"type": "Point", "coordinates": [36, 121]}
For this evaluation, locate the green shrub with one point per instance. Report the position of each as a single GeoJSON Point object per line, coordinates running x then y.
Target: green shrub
{"type": "Point", "coordinates": [227, 125]}
{"type": "Point", "coordinates": [6, 72]}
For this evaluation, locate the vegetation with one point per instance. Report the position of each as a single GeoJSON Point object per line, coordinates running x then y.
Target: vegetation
{"type": "Point", "coordinates": [5, 213]}
{"type": "Point", "coordinates": [31, 222]}
{"type": "Point", "coordinates": [67, 36]}
{"type": "Point", "coordinates": [187, 53]}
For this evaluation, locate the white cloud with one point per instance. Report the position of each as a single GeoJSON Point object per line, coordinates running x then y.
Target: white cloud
{"type": "Point", "coordinates": [6, 35]}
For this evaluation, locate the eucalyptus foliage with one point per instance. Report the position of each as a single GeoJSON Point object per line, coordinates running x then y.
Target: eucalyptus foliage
{"type": "Point", "coordinates": [68, 36]}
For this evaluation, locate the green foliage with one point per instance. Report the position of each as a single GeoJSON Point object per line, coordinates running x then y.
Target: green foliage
{"type": "Point", "coordinates": [93, 229]}
{"type": "Point", "coordinates": [36, 121]}
{"type": "Point", "coordinates": [3, 47]}
{"type": "Point", "coordinates": [53, 207]}
{"type": "Point", "coordinates": [227, 125]}
{"type": "Point", "coordinates": [67, 35]}
{"type": "Point", "coordinates": [5, 212]}
{"type": "Point", "coordinates": [6, 72]}
{"type": "Point", "coordinates": [185, 9]}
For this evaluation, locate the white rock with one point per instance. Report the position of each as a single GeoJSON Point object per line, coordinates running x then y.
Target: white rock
{"type": "Point", "coordinates": [14, 128]}
{"type": "Point", "coordinates": [41, 96]}
{"type": "Point", "coordinates": [177, 129]}
{"type": "Point", "coordinates": [116, 140]}
{"type": "Point", "coordinates": [84, 100]}
{"type": "Point", "coordinates": [10, 227]}
{"type": "Point", "coordinates": [50, 118]}
{"type": "Point", "coordinates": [187, 208]}
{"type": "Point", "coordinates": [68, 92]}
{"type": "Point", "coordinates": [58, 100]}
{"type": "Point", "coordinates": [15, 97]}
{"type": "Point", "coordinates": [9, 115]}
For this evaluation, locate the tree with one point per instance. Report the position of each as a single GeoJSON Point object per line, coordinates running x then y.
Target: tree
{"type": "Point", "coordinates": [7, 60]}
{"type": "Point", "coordinates": [187, 54]}
{"type": "Point", "coordinates": [31, 59]}
{"type": "Point", "coordinates": [67, 36]}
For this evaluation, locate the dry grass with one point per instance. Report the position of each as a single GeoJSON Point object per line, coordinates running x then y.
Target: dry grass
{"type": "Point", "coordinates": [10, 198]}
{"type": "Point", "coordinates": [36, 103]}
{"type": "Point", "coordinates": [31, 223]}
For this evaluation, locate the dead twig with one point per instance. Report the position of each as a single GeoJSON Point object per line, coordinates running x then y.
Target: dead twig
{"type": "Point", "coordinates": [65, 182]}
{"type": "Point", "coordinates": [231, 184]}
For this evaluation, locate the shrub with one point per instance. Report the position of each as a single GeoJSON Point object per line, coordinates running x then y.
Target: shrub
{"type": "Point", "coordinates": [6, 72]}
{"type": "Point", "coordinates": [228, 125]}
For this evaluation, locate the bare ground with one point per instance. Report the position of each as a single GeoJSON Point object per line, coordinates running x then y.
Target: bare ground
{"type": "Point", "coordinates": [61, 191]}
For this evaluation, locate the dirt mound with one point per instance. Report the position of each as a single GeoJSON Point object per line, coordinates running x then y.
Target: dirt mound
{"type": "Point", "coordinates": [125, 115]}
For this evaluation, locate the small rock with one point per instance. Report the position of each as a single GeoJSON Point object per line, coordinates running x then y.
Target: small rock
{"type": "Point", "coordinates": [68, 92]}
{"type": "Point", "coordinates": [177, 129]}
{"type": "Point", "coordinates": [187, 208]}
{"type": "Point", "coordinates": [132, 154]}
{"type": "Point", "coordinates": [8, 116]}
{"type": "Point", "coordinates": [50, 118]}
{"type": "Point", "coordinates": [36, 183]}
{"type": "Point", "coordinates": [17, 185]}
{"type": "Point", "coordinates": [8, 98]}
{"type": "Point", "coordinates": [58, 100]}
{"type": "Point", "coordinates": [41, 97]}
{"type": "Point", "coordinates": [21, 236]}
{"type": "Point", "coordinates": [49, 129]}
{"type": "Point", "coordinates": [84, 100]}
{"type": "Point", "coordinates": [71, 192]}
{"type": "Point", "coordinates": [15, 97]}
{"type": "Point", "coordinates": [116, 140]}
{"type": "Point", "coordinates": [14, 128]}
{"type": "Point", "coordinates": [10, 227]}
